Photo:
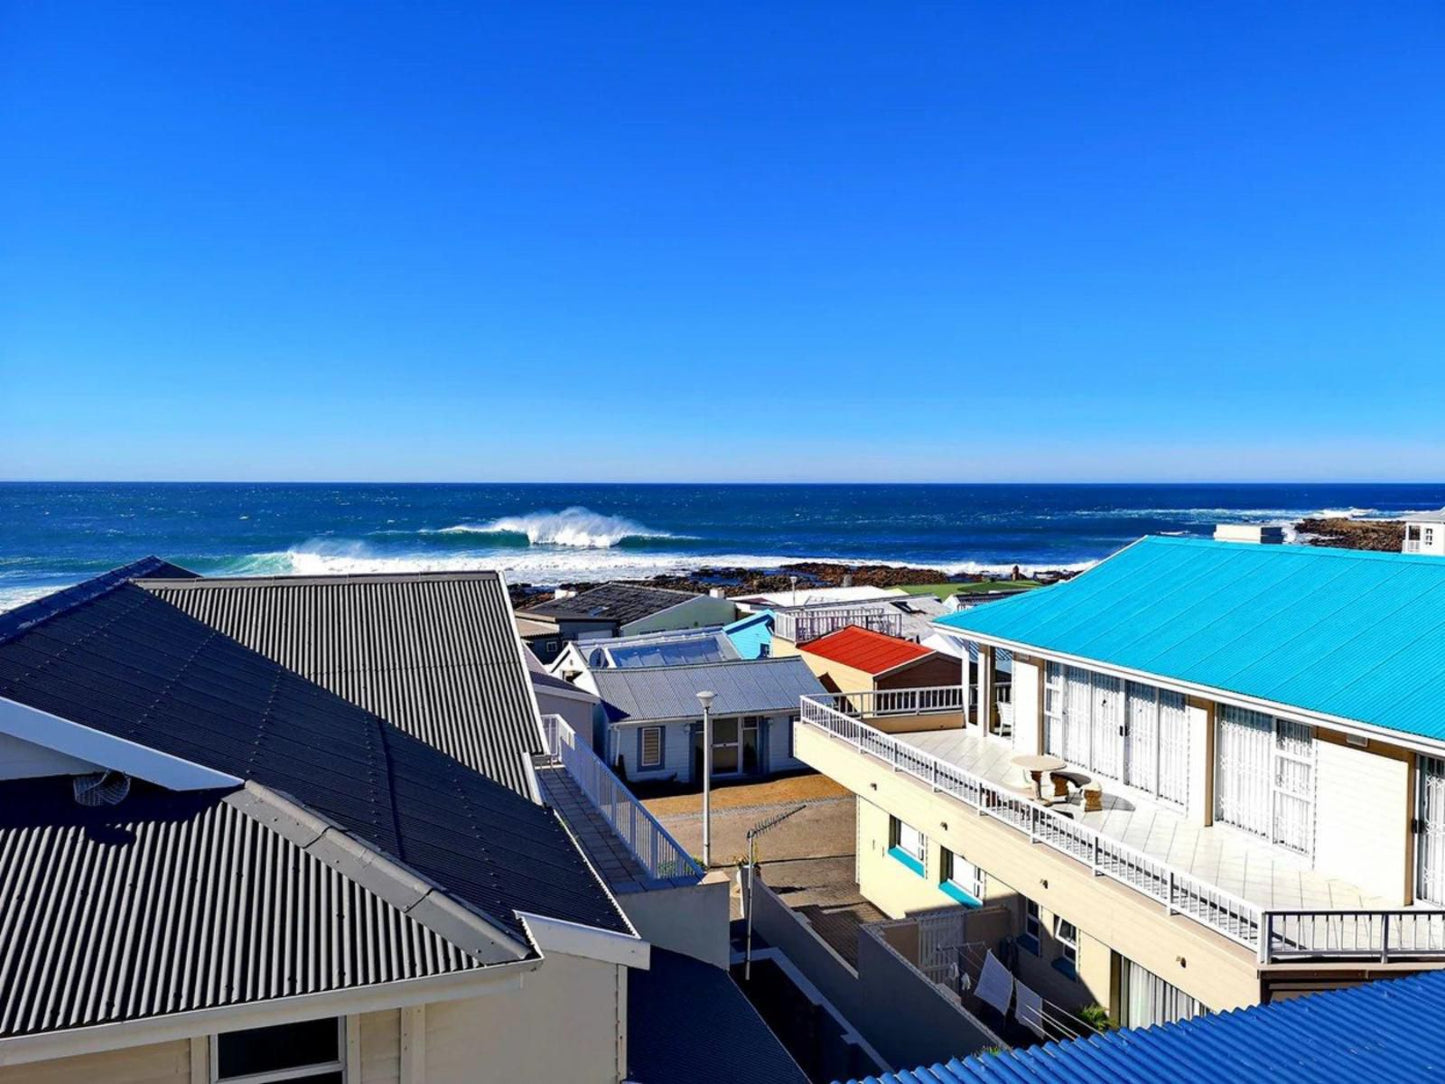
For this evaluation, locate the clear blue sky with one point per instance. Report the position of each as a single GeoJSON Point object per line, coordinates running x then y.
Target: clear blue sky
{"type": "Point", "coordinates": [953, 242]}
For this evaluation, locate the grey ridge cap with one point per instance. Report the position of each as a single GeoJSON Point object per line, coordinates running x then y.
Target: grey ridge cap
{"type": "Point", "coordinates": [203, 582]}
{"type": "Point", "coordinates": [470, 930]}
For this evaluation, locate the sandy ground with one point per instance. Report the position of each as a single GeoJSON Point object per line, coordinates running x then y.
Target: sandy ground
{"type": "Point", "coordinates": [795, 788]}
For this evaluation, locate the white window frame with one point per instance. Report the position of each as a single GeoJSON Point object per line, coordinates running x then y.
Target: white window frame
{"type": "Point", "coordinates": [276, 1076]}
{"type": "Point", "coordinates": [643, 764]}
{"type": "Point", "coordinates": [1068, 942]}
{"type": "Point", "coordinates": [973, 882]}
{"type": "Point", "coordinates": [1281, 760]}
{"type": "Point", "coordinates": [896, 838]}
{"type": "Point", "coordinates": [1033, 925]}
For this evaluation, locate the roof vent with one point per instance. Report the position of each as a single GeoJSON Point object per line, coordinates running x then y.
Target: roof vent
{"type": "Point", "coordinates": [1249, 532]}
{"type": "Point", "coordinates": [100, 788]}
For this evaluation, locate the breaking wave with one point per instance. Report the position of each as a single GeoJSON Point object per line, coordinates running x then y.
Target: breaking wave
{"type": "Point", "coordinates": [576, 528]}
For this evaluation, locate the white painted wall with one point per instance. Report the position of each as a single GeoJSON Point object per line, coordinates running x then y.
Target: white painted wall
{"type": "Point", "coordinates": [1028, 708]}
{"type": "Point", "coordinates": [1362, 818]}
{"type": "Point", "coordinates": [1201, 763]}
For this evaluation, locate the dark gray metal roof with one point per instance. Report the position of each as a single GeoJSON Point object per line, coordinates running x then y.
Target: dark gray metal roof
{"type": "Point", "coordinates": [435, 654]}
{"type": "Point", "coordinates": [128, 663]}
{"type": "Point", "coordinates": [743, 687]}
{"type": "Point", "coordinates": [688, 1021]}
{"type": "Point", "coordinates": [173, 902]}
{"type": "Point", "coordinates": [616, 602]}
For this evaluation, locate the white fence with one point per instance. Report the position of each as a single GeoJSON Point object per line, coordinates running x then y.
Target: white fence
{"type": "Point", "coordinates": [801, 625]}
{"type": "Point", "coordinates": [1273, 935]}
{"type": "Point", "coordinates": [664, 859]}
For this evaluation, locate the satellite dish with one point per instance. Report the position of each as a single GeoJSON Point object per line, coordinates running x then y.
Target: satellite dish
{"type": "Point", "coordinates": [100, 788]}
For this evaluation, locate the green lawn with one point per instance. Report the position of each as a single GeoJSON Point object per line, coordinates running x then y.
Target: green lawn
{"type": "Point", "coordinates": [945, 590]}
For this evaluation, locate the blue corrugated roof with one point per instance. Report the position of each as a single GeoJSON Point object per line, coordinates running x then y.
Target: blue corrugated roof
{"type": "Point", "coordinates": [1381, 1031]}
{"type": "Point", "coordinates": [1342, 632]}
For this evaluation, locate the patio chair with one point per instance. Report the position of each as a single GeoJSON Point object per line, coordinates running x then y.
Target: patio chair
{"type": "Point", "coordinates": [1093, 798]}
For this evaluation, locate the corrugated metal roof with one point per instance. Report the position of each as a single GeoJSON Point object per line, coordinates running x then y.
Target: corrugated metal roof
{"type": "Point", "coordinates": [1381, 1031]}
{"type": "Point", "coordinates": [615, 602]}
{"type": "Point", "coordinates": [1345, 633]}
{"type": "Point", "coordinates": [744, 687]}
{"type": "Point", "coordinates": [689, 1023]}
{"type": "Point", "coordinates": [172, 902]}
{"type": "Point", "coordinates": [866, 650]}
{"type": "Point", "coordinates": [130, 664]}
{"type": "Point", "coordinates": [435, 654]}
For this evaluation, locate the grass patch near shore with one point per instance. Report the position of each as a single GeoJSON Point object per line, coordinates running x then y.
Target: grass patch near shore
{"type": "Point", "coordinates": [948, 590]}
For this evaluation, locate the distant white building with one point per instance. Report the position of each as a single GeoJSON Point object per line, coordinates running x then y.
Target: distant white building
{"type": "Point", "coordinates": [1425, 534]}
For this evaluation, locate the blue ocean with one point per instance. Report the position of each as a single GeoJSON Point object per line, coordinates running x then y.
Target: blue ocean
{"type": "Point", "coordinates": [53, 534]}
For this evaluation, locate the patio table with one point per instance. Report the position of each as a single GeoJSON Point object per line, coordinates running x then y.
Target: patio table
{"type": "Point", "coordinates": [1036, 765]}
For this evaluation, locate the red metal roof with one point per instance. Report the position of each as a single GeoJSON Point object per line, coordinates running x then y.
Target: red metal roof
{"type": "Point", "coordinates": [866, 650]}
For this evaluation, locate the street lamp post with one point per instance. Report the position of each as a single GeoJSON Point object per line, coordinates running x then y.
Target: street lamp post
{"type": "Point", "coordinates": [705, 699]}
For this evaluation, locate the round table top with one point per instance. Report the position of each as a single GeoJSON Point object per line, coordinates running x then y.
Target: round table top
{"type": "Point", "coordinates": [1042, 762]}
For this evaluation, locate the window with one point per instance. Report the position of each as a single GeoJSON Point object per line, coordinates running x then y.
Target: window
{"type": "Point", "coordinates": [1033, 928]}
{"type": "Point", "coordinates": [908, 845]}
{"type": "Point", "coordinates": [1146, 999]}
{"type": "Point", "coordinates": [1429, 536]}
{"type": "Point", "coordinates": [650, 752]}
{"type": "Point", "coordinates": [1264, 777]}
{"type": "Point", "coordinates": [961, 880]}
{"type": "Point", "coordinates": [1067, 935]}
{"type": "Point", "coordinates": [308, 1053]}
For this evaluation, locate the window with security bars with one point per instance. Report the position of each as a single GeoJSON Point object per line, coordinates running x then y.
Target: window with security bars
{"type": "Point", "coordinates": [1130, 732]}
{"type": "Point", "coordinates": [1264, 776]}
{"type": "Point", "coordinates": [309, 1052]}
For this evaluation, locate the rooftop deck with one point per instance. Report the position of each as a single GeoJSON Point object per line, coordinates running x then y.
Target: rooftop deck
{"type": "Point", "coordinates": [1272, 878]}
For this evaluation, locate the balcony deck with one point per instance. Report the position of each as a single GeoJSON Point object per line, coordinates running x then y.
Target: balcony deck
{"type": "Point", "coordinates": [1273, 878]}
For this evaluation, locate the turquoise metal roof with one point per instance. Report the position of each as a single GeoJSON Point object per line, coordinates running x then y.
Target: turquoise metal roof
{"type": "Point", "coordinates": [1345, 633]}
{"type": "Point", "coordinates": [1381, 1031]}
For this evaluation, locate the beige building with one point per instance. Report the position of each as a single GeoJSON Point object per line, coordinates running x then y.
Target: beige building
{"type": "Point", "coordinates": [1249, 798]}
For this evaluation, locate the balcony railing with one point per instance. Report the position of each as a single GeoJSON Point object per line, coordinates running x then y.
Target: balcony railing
{"type": "Point", "coordinates": [1272, 935]}
{"type": "Point", "coordinates": [664, 859]}
{"type": "Point", "coordinates": [802, 625]}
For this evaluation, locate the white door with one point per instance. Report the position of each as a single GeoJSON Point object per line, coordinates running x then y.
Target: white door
{"type": "Point", "coordinates": [1108, 725]}
{"type": "Point", "coordinates": [1242, 779]}
{"type": "Point", "coordinates": [1294, 786]}
{"type": "Point", "coordinates": [1173, 748]}
{"type": "Point", "coordinates": [1141, 736]}
{"type": "Point", "coordinates": [1430, 832]}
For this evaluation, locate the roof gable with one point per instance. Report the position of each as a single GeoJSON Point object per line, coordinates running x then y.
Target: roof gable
{"type": "Point", "coordinates": [1346, 633]}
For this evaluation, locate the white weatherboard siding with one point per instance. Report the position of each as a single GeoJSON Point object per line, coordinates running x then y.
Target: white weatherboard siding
{"type": "Point", "coordinates": [780, 730]}
{"type": "Point", "coordinates": [1362, 818]}
{"type": "Point", "coordinates": [158, 1063]}
{"type": "Point", "coordinates": [381, 1047]}
{"type": "Point", "coordinates": [676, 751]}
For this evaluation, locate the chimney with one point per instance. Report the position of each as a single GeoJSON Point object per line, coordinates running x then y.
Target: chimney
{"type": "Point", "coordinates": [1255, 534]}
{"type": "Point", "coordinates": [717, 592]}
{"type": "Point", "coordinates": [564, 592]}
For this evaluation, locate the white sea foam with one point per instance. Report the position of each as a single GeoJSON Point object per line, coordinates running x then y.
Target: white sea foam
{"type": "Point", "coordinates": [576, 527]}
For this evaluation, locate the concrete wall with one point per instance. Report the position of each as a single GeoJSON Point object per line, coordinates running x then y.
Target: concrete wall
{"type": "Point", "coordinates": [1205, 965]}
{"type": "Point", "coordinates": [690, 919]}
{"type": "Point", "coordinates": [902, 1015]}
{"type": "Point", "coordinates": [692, 614]}
{"type": "Point", "coordinates": [563, 1026]}
{"type": "Point", "coordinates": [1363, 810]}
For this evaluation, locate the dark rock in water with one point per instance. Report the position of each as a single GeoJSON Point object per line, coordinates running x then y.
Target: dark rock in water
{"type": "Point", "coordinates": [1380, 535]}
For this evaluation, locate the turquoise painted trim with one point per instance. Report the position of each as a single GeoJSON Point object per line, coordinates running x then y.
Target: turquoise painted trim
{"type": "Point", "coordinates": [951, 890]}
{"type": "Point", "coordinates": [900, 855]}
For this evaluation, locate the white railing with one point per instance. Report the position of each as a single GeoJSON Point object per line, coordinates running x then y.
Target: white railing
{"type": "Point", "coordinates": [1273, 935]}
{"type": "Point", "coordinates": [663, 857]}
{"type": "Point", "coordinates": [930, 700]}
{"type": "Point", "coordinates": [801, 625]}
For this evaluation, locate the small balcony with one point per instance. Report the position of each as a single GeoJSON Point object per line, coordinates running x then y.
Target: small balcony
{"type": "Point", "coordinates": [1260, 897]}
{"type": "Point", "coordinates": [802, 625]}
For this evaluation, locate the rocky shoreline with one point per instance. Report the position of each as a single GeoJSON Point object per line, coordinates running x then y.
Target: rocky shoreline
{"type": "Point", "coordinates": [752, 581]}
{"type": "Point", "coordinates": [1379, 535]}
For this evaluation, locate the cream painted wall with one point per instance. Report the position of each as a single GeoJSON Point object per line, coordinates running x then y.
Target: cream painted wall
{"type": "Point", "coordinates": [159, 1063]}
{"type": "Point", "coordinates": [1362, 818]}
{"type": "Point", "coordinates": [563, 1026]}
{"type": "Point", "coordinates": [380, 1047]}
{"type": "Point", "coordinates": [892, 887]}
{"type": "Point", "coordinates": [1218, 972]}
